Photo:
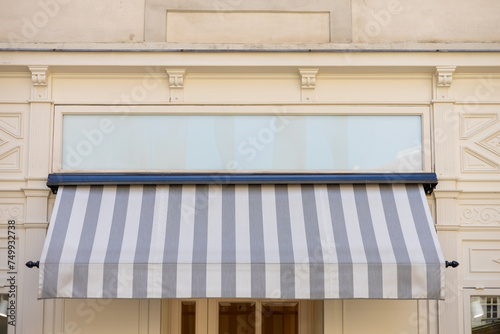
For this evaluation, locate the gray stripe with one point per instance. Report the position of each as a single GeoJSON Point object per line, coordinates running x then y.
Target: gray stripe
{"type": "Point", "coordinates": [228, 279]}
{"type": "Point", "coordinates": [110, 276]}
{"type": "Point", "coordinates": [375, 285]}
{"type": "Point", "coordinates": [287, 262]}
{"type": "Point", "coordinates": [346, 279]}
{"type": "Point", "coordinates": [199, 272]}
{"type": "Point", "coordinates": [397, 241]}
{"type": "Point", "coordinates": [81, 270]}
{"type": "Point", "coordinates": [54, 252]}
{"type": "Point", "coordinates": [171, 250]}
{"type": "Point", "coordinates": [257, 252]}
{"type": "Point", "coordinates": [143, 246]}
{"type": "Point", "coordinates": [426, 241]}
{"type": "Point", "coordinates": [314, 248]}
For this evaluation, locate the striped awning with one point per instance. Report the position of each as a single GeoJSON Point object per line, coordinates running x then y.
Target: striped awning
{"type": "Point", "coordinates": [316, 241]}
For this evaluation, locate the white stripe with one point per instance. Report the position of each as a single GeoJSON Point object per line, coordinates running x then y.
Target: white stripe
{"type": "Point", "coordinates": [389, 267]}
{"type": "Point", "coordinates": [242, 229]}
{"type": "Point", "coordinates": [430, 222]}
{"type": "Point", "coordinates": [300, 252]}
{"type": "Point", "coordinates": [70, 248]}
{"type": "Point", "coordinates": [214, 241]}
{"type": "Point", "coordinates": [129, 244]}
{"type": "Point", "coordinates": [154, 287]}
{"type": "Point", "coordinates": [327, 242]}
{"type": "Point", "coordinates": [125, 280]}
{"type": "Point", "coordinates": [98, 254]}
{"type": "Point", "coordinates": [186, 237]}
{"type": "Point", "coordinates": [271, 245]}
{"type": "Point", "coordinates": [418, 273]}
{"type": "Point", "coordinates": [41, 270]}
{"type": "Point", "coordinates": [356, 246]}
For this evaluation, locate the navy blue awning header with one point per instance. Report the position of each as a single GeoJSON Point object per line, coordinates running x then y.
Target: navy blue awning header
{"type": "Point", "coordinates": [429, 180]}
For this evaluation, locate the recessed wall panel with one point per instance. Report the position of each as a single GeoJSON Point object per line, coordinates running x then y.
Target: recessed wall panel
{"type": "Point", "coordinates": [247, 27]}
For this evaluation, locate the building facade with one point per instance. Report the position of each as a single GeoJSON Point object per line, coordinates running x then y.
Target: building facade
{"type": "Point", "coordinates": [86, 89]}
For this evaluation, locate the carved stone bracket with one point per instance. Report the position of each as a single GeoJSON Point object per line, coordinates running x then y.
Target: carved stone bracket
{"type": "Point", "coordinates": [39, 78]}
{"type": "Point", "coordinates": [308, 83]}
{"type": "Point", "coordinates": [444, 77]}
{"type": "Point", "coordinates": [176, 84]}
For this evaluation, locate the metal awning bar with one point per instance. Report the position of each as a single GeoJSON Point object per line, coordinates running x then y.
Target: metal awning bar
{"type": "Point", "coordinates": [429, 180]}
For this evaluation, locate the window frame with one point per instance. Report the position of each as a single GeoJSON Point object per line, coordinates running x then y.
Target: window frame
{"type": "Point", "coordinates": [467, 295]}
{"type": "Point", "coordinates": [285, 109]}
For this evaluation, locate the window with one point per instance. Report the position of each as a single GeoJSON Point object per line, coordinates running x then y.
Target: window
{"type": "Point", "coordinates": [218, 316]}
{"type": "Point", "coordinates": [242, 143]}
{"type": "Point", "coordinates": [491, 306]}
{"type": "Point", "coordinates": [239, 143]}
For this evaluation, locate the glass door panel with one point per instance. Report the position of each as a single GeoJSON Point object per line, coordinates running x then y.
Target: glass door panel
{"type": "Point", "coordinates": [236, 318]}
{"type": "Point", "coordinates": [280, 318]}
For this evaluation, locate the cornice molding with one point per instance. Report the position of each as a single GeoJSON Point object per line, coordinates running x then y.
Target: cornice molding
{"type": "Point", "coordinates": [442, 194]}
{"type": "Point", "coordinates": [36, 192]}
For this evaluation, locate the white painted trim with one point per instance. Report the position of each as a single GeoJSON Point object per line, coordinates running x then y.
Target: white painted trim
{"type": "Point", "coordinates": [154, 321]}
{"type": "Point", "coordinates": [143, 316]}
{"type": "Point", "coordinates": [333, 317]}
{"type": "Point", "coordinates": [112, 103]}
{"type": "Point", "coordinates": [173, 57]}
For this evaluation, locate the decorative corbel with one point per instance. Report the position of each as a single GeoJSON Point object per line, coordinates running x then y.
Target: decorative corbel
{"type": "Point", "coordinates": [176, 84]}
{"type": "Point", "coordinates": [444, 77]}
{"type": "Point", "coordinates": [308, 83]}
{"type": "Point", "coordinates": [39, 77]}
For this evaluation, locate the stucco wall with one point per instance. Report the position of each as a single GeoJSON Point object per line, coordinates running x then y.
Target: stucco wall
{"type": "Point", "coordinates": [448, 21]}
{"type": "Point", "coordinates": [72, 21]}
{"type": "Point", "coordinates": [258, 22]}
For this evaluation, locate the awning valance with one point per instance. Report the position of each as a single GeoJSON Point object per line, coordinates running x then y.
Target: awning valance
{"type": "Point", "coordinates": [313, 241]}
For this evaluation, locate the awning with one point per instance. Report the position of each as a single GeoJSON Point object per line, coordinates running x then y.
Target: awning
{"type": "Point", "coordinates": [309, 241]}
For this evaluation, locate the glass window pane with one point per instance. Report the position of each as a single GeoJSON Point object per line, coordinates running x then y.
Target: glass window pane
{"type": "Point", "coordinates": [484, 317]}
{"type": "Point", "coordinates": [242, 143]}
{"type": "Point", "coordinates": [236, 318]}
{"type": "Point", "coordinates": [280, 318]}
{"type": "Point", "coordinates": [188, 318]}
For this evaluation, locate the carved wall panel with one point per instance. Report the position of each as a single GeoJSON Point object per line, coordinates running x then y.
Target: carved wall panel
{"type": "Point", "coordinates": [481, 262]}
{"type": "Point", "coordinates": [11, 140]}
{"type": "Point", "coordinates": [480, 215]}
{"type": "Point", "coordinates": [11, 211]}
{"type": "Point", "coordinates": [480, 140]}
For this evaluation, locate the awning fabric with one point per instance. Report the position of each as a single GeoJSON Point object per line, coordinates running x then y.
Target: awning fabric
{"type": "Point", "coordinates": [322, 241]}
